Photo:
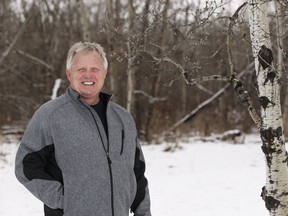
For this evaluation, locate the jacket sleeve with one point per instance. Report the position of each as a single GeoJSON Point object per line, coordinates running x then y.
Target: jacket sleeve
{"type": "Point", "coordinates": [141, 203]}
{"type": "Point", "coordinates": [35, 164]}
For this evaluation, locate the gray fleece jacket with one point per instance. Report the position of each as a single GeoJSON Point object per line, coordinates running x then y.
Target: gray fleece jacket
{"type": "Point", "coordinates": [67, 161]}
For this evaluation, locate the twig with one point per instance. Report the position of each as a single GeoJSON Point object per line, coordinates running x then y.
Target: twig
{"type": "Point", "coordinates": [151, 99]}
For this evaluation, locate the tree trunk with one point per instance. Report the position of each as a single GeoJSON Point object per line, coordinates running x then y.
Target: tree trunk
{"type": "Point", "coordinates": [271, 130]}
{"type": "Point", "coordinates": [280, 14]}
{"type": "Point", "coordinates": [110, 24]}
{"type": "Point", "coordinates": [131, 57]}
{"type": "Point", "coordinates": [84, 21]}
{"type": "Point", "coordinates": [157, 69]}
{"type": "Point", "coordinates": [138, 112]}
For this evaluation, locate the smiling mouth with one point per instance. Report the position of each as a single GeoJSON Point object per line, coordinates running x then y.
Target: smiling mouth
{"type": "Point", "coordinates": [88, 83]}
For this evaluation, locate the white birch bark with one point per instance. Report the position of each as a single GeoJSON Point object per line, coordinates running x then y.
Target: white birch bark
{"type": "Point", "coordinates": [55, 89]}
{"type": "Point", "coordinates": [271, 130]}
{"type": "Point", "coordinates": [130, 80]}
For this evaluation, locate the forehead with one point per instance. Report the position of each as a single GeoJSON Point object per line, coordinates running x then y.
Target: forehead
{"type": "Point", "coordinates": [87, 57]}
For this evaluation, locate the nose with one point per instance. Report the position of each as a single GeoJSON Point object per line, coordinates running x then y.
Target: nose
{"type": "Point", "coordinates": [87, 74]}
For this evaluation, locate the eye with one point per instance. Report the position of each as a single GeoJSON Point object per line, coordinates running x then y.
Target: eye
{"type": "Point", "coordinates": [94, 69]}
{"type": "Point", "coordinates": [82, 70]}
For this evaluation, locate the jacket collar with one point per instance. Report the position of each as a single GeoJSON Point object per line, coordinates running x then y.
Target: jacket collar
{"type": "Point", "coordinates": [76, 97]}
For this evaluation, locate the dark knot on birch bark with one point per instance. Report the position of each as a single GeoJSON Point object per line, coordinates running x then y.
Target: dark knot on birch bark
{"type": "Point", "coordinates": [265, 57]}
{"type": "Point", "coordinates": [264, 101]}
{"type": "Point", "coordinates": [270, 202]}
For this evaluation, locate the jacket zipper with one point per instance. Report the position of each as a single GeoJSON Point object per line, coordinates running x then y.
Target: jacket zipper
{"type": "Point", "coordinates": [108, 160]}
{"type": "Point", "coordinates": [111, 184]}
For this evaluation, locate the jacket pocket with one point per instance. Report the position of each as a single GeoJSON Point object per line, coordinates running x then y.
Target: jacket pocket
{"type": "Point", "coordinates": [122, 142]}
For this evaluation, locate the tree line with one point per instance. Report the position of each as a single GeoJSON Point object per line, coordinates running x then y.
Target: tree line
{"type": "Point", "coordinates": [159, 54]}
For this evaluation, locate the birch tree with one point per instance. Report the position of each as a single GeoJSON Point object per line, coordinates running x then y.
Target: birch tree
{"type": "Point", "coordinates": [271, 129]}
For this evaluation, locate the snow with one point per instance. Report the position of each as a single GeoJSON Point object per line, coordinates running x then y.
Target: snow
{"type": "Point", "coordinates": [200, 178]}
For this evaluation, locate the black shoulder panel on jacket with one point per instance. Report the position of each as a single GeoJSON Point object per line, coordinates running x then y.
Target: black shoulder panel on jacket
{"type": "Point", "coordinates": [52, 212]}
{"type": "Point", "coordinates": [139, 169]}
{"type": "Point", "coordinates": [42, 165]}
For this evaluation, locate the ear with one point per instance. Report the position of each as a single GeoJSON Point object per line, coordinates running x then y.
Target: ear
{"type": "Point", "coordinates": [68, 74]}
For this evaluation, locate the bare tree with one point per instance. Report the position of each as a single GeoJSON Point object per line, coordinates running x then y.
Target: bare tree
{"type": "Point", "coordinates": [84, 20]}
{"type": "Point", "coordinates": [165, 42]}
{"type": "Point", "coordinates": [157, 70]}
{"type": "Point", "coordinates": [131, 59]}
{"type": "Point", "coordinates": [19, 33]}
{"type": "Point", "coordinates": [110, 28]}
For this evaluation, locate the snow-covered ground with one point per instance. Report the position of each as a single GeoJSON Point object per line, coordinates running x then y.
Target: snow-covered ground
{"type": "Point", "coordinates": [200, 179]}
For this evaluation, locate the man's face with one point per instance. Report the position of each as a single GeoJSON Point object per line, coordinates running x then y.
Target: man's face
{"type": "Point", "coordinates": [87, 75]}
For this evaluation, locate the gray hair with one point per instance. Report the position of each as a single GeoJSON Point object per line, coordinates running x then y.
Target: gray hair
{"type": "Point", "coordinates": [88, 47]}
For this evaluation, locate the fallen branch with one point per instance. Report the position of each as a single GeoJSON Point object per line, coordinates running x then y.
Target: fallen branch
{"type": "Point", "coordinates": [199, 107]}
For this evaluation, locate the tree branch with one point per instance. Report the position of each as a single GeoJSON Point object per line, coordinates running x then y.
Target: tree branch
{"type": "Point", "coordinates": [244, 97]}
{"type": "Point", "coordinates": [229, 39]}
{"type": "Point", "coordinates": [151, 99]}
{"type": "Point", "coordinates": [198, 108]}
{"type": "Point", "coordinates": [19, 33]}
{"type": "Point", "coordinates": [39, 61]}
{"type": "Point", "coordinates": [237, 84]}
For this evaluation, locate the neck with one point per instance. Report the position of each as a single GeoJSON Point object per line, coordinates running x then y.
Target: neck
{"type": "Point", "coordinates": [91, 101]}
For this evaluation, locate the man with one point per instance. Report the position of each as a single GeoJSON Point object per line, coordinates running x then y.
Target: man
{"type": "Point", "coordinates": [79, 154]}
